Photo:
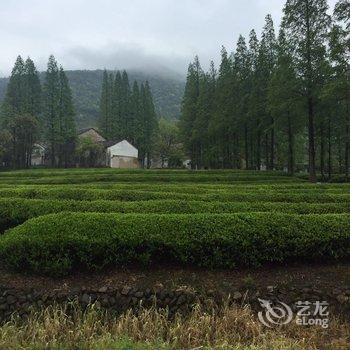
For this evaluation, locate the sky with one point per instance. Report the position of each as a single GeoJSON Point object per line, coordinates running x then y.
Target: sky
{"type": "Point", "coordinates": [127, 34]}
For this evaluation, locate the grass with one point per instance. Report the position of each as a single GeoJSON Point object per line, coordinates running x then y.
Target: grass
{"type": "Point", "coordinates": [229, 328]}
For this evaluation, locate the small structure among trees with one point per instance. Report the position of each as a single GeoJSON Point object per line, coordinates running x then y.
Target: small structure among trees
{"type": "Point", "coordinates": [94, 150]}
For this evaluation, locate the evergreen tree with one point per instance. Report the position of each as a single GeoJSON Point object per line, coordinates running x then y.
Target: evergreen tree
{"type": "Point", "coordinates": [51, 109]}
{"type": "Point", "coordinates": [150, 122]}
{"type": "Point", "coordinates": [284, 99]}
{"type": "Point", "coordinates": [205, 110]}
{"type": "Point", "coordinates": [58, 116]}
{"type": "Point", "coordinates": [189, 110]}
{"type": "Point", "coordinates": [266, 64]}
{"type": "Point", "coordinates": [225, 127]}
{"type": "Point", "coordinates": [338, 89]}
{"type": "Point", "coordinates": [253, 109]}
{"type": "Point", "coordinates": [22, 104]}
{"type": "Point", "coordinates": [271, 98]}
{"type": "Point", "coordinates": [125, 94]}
{"type": "Point", "coordinates": [14, 103]}
{"type": "Point", "coordinates": [32, 89]}
{"type": "Point", "coordinates": [128, 113]}
{"type": "Point", "coordinates": [105, 104]}
{"type": "Point", "coordinates": [116, 107]}
{"type": "Point", "coordinates": [307, 23]}
{"type": "Point", "coordinates": [66, 121]}
{"type": "Point", "coordinates": [136, 117]}
{"type": "Point", "coordinates": [243, 74]}
{"type": "Point", "coordinates": [342, 12]}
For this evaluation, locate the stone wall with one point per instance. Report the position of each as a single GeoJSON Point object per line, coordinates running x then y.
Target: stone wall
{"type": "Point", "coordinates": [180, 300]}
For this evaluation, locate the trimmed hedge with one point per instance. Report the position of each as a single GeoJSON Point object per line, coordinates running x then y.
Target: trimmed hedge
{"type": "Point", "coordinates": [72, 179]}
{"type": "Point", "coordinates": [196, 188]}
{"type": "Point", "coordinates": [65, 192]}
{"type": "Point", "coordinates": [131, 172]}
{"type": "Point", "coordinates": [141, 176]}
{"type": "Point", "coordinates": [58, 243]}
{"type": "Point", "coordinates": [14, 212]}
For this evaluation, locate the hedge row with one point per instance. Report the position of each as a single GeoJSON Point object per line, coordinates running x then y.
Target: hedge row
{"type": "Point", "coordinates": [59, 243]}
{"type": "Point", "coordinates": [64, 192]}
{"type": "Point", "coordinates": [14, 212]}
{"type": "Point", "coordinates": [73, 179]}
{"type": "Point", "coordinates": [109, 171]}
{"type": "Point", "coordinates": [194, 188]}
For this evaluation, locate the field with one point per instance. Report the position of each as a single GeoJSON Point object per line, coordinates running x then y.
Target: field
{"type": "Point", "coordinates": [58, 221]}
{"type": "Point", "coordinates": [59, 227]}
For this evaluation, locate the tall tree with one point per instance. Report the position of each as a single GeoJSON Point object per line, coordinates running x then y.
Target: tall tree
{"type": "Point", "coordinates": [243, 74]}
{"type": "Point", "coordinates": [338, 89]}
{"type": "Point", "coordinates": [150, 121]}
{"type": "Point", "coordinates": [253, 109]}
{"type": "Point", "coordinates": [67, 128]}
{"type": "Point", "coordinates": [307, 23]}
{"type": "Point", "coordinates": [32, 89]}
{"type": "Point", "coordinates": [189, 110]}
{"type": "Point", "coordinates": [51, 109]}
{"type": "Point", "coordinates": [105, 105]}
{"type": "Point", "coordinates": [225, 123]}
{"type": "Point", "coordinates": [266, 64]}
{"type": "Point", "coordinates": [14, 103]}
{"type": "Point", "coordinates": [284, 98]}
{"type": "Point", "coordinates": [22, 104]}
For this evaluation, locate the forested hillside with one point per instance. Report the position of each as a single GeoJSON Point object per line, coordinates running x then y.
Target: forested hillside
{"type": "Point", "coordinates": [86, 87]}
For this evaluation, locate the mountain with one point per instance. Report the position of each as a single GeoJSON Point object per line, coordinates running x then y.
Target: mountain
{"type": "Point", "coordinates": [167, 89]}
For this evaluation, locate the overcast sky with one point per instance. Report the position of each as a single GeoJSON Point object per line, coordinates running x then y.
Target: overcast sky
{"type": "Point", "coordinates": [90, 34]}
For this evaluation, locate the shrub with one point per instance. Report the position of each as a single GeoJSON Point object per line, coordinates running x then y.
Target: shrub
{"type": "Point", "coordinates": [70, 192]}
{"type": "Point", "coordinates": [14, 212]}
{"type": "Point", "coordinates": [58, 243]}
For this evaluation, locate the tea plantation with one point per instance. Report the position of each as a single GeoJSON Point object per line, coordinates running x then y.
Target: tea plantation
{"type": "Point", "coordinates": [58, 221]}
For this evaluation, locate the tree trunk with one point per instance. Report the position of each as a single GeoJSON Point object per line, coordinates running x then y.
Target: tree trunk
{"type": "Point", "coordinates": [246, 146]}
{"type": "Point", "coordinates": [272, 145]}
{"type": "Point", "coordinates": [329, 149]}
{"type": "Point", "coordinates": [251, 145]}
{"type": "Point", "coordinates": [258, 147]}
{"type": "Point", "coordinates": [290, 147]}
{"type": "Point", "coordinates": [322, 152]}
{"type": "Point", "coordinates": [312, 163]}
{"type": "Point", "coordinates": [347, 148]}
{"type": "Point", "coordinates": [310, 101]}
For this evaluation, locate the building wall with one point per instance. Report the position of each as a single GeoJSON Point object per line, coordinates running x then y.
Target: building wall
{"type": "Point", "coordinates": [37, 160]}
{"type": "Point", "coordinates": [124, 149]}
{"type": "Point", "coordinates": [122, 162]}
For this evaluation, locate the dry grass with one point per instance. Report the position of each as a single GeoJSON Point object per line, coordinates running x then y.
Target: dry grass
{"type": "Point", "coordinates": [231, 328]}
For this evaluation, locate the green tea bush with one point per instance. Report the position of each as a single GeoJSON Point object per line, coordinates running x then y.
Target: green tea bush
{"type": "Point", "coordinates": [76, 176]}
{"type": "Point", "coordinates": [14, 212]}
{"type": "Point", "coordinates": [56, 244]}
{"type": "Point", "coordinates": [69, 192]}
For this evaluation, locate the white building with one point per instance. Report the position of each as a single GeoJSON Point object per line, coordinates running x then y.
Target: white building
{"type": "Point", "coordinates": [122, 155]}
{"type": "Point", "coordinates": [38, 155]}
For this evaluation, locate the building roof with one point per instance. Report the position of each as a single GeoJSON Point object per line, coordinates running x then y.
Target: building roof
{"type": "Point", "coordinates": [114, 142]}
{"type": "Point", "coordinates": [110, 143]}
{"type": "Point", "coordinates": [83, 131]}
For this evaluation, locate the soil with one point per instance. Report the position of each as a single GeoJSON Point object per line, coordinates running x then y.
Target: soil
{"type": "Point", "coordinates": [311, 275]}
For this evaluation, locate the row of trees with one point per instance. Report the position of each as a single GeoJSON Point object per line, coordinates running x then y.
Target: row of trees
{"type": "Point", "coordinates": [128, 113]}
{"type": "Point", "coordinates": [278, 101]}
{"type": "Point", "coordinates": [43, 112]}
{"type": "Point", "coordinates": [33, 112]}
